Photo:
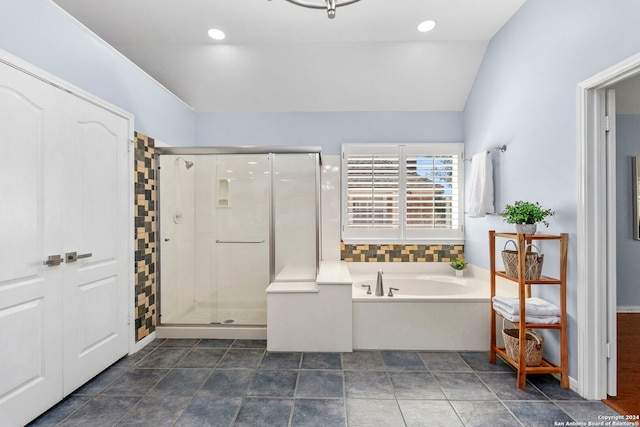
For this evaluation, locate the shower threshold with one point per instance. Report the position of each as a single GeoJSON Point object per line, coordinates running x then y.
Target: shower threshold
{"type": "Point", "coordinates": [212, 331]}
{"type": "Point", "coordinates": [205, 313]}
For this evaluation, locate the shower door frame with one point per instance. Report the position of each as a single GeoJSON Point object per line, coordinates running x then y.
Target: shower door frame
{"type": "Point", "coordinates": [231, 150]}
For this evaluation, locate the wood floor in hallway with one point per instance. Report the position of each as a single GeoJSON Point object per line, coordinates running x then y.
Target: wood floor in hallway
{"type": "Point", "coordinates": [627, 402]}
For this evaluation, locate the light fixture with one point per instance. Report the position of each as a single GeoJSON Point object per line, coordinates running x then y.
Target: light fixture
{"type": "Point", "coordinates": [216, 34]}
{"type": "Point", "coordinates": [426, 26]}
{"type": "Point", "coordinates": [330, 5]}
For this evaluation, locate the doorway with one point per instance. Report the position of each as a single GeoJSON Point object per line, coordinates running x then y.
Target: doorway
{"type": "Point", "coordinates": [597, 205]}
{"type": "Point", "coordinates": [627, 129]}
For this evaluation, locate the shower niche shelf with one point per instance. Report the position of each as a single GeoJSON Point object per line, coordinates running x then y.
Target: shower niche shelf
{"type": "Point", "coordinates": [223, 193]}
{"type": "Point", "coordinates": [524, 291]}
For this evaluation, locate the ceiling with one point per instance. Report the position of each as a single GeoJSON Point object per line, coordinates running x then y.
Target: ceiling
{"type": "Point", "coordinates": [281, 57]}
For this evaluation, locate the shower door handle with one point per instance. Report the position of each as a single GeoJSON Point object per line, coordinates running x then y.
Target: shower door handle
{"type": "Point", "coordinates": [239, 241]}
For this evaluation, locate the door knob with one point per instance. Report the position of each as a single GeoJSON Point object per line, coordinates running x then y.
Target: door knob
{"type": "Point", "coordinates": [73, 256]}
{"type": "Point", "coordinates": [53, 260]}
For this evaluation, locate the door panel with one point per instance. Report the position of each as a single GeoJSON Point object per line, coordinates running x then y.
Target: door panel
{"type": "Point", "coordinates": [96, 285]}
{"type": "Point", "coordinates": [20, 183]}
{"type": "Point", "coordinates": [98, 308]}
{"type": "Point", "coordinates": [242, 273]}
{"type": "Point", "coordinates": [178, 254]}
{"type": "Point", "coordinates": [22, 333]}
{"type": "Point", "coordinates": [98, 163]}
{"type": "Point", "coordinates": [30, 297]}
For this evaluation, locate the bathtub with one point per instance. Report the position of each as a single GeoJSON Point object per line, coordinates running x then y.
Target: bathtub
{"type": "Point", "coordinates": [430, 311]}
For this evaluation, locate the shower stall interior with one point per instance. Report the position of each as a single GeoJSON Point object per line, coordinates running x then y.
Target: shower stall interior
{"type": "Point", "coordinates": [232, 220]}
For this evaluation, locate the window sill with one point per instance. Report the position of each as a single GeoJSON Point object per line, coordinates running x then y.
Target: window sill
{"type": "Point", "coordinates": [403, 242]}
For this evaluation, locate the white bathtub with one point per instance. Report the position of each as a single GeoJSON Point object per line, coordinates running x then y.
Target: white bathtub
{"type": "Point", "coordinates": [430, 311]}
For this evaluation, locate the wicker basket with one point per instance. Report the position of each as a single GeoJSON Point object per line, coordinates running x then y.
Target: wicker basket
{"type": "Point", "coordinates": [533, 351]}
{"type": "Point", "coordinates": [532, 264]}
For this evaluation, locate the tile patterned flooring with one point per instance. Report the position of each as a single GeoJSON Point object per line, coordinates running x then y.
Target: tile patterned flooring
{"type": "Point", "coordinates": [237, 383]}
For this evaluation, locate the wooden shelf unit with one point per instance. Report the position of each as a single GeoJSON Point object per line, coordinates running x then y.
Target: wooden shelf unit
{"type": "Point", "coordinates": [524, 291]}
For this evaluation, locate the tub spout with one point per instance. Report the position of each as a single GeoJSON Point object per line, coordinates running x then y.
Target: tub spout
{"type": "Point", "coordinates": [379, 285]}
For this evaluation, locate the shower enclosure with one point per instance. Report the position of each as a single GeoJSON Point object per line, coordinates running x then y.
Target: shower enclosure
{"type": "Point", "coordinates": [232, 220]}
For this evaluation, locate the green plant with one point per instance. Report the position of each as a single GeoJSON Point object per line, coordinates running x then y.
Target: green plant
{"type": "Point", "coordinates": [526, 213]}
{"type": "Point", "coordinates": [458, 264]}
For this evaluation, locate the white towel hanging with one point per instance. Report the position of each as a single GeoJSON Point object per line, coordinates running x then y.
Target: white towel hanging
{"type": "Point", "coordinates": [480, 200]}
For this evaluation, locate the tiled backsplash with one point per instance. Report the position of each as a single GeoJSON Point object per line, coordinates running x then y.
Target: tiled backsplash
{"type": "Point", "coordinates": [145, 236]}
{"type": "Point", "coordinates": [400, 253]}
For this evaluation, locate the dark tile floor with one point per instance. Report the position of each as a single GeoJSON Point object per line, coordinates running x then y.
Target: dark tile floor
{"type": "Point", "coordinates": [236, 382]}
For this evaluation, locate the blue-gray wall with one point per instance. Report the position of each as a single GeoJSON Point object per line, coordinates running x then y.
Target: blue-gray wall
{"type": "Point", "coordinates": [38, 32]}
{"type": "Point", "coordinates": [628, 250]}
{"type": "Point", "coordinates": [525, 96]}
{"type": "Point", "coordinates": [327, 130]}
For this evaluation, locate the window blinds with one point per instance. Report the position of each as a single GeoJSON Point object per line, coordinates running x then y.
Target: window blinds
{"type": "Point", "coordinates": [373, 183]}
{"type": "Point", "coordinates": [402, 192]}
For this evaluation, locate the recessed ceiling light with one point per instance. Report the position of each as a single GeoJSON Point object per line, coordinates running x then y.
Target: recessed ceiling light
{"type": "Point", "coordinates": [216, 34]}
{"type": "Point", "coordinates": [426, 26]}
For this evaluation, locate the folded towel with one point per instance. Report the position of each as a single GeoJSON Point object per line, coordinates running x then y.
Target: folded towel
{"type": "Point", "coordinates": [540, 320]}
{"type": "Point", "coordinates": [480, 201]}
{"type": "Point", "coordinates": [533, 306]}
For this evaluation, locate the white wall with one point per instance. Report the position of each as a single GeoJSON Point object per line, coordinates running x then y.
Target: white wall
{"type": "Point", "coordinates": [39, 32]}
{"type": "Point", "coordinates": [525, 96]}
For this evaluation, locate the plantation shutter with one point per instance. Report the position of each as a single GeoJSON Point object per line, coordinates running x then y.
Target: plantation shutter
{"type": "Point", "coordinates": [373, 192]}
{"type": "Point", "coordinates": [433, 196]}
{"type": "Point", "coordinates": [401, 193]}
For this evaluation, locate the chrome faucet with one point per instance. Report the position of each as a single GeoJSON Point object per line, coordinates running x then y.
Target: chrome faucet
{"type": "Point", "coordinates": [379, 285]}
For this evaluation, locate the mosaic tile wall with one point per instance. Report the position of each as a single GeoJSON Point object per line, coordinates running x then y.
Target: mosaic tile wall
{"type": "Point", "coordinates": [400, 253]}
{"type": "Point", "coordinates": [145, 236]}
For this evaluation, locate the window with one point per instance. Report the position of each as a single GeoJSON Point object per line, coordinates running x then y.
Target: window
{"type": "Point", "coordinates": [402, 193]}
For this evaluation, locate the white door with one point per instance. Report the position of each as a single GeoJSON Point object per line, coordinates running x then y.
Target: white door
{"type": "Point", "coordinates": [31, 197]}
{"type": "Point", "coordinates": [96, 297]}
{"type": "Point", "coordinates": [64, 175]}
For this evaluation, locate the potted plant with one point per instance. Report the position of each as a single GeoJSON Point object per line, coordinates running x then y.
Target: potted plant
{"type": "Point", "coordinates": [458, 265]}
{"type": "Point", "coordinates": [526, 215]}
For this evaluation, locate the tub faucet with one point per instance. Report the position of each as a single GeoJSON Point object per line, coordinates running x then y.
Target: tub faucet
{"type": "Point", "coordinates": [379, 285]}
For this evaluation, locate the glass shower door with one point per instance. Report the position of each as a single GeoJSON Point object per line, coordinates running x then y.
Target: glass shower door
{"type": "Point", "coordinates": [177, 255]}
{"type": "Point", "coordinates": [241, 246]}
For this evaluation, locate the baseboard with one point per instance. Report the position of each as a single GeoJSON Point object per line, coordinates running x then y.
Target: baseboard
{"type": "Point", "coordinates": [573, 383]}
{"type": "Point", "coordinates": [628, 309]}
{"type": "Point", "coordinates": [143, 342]}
